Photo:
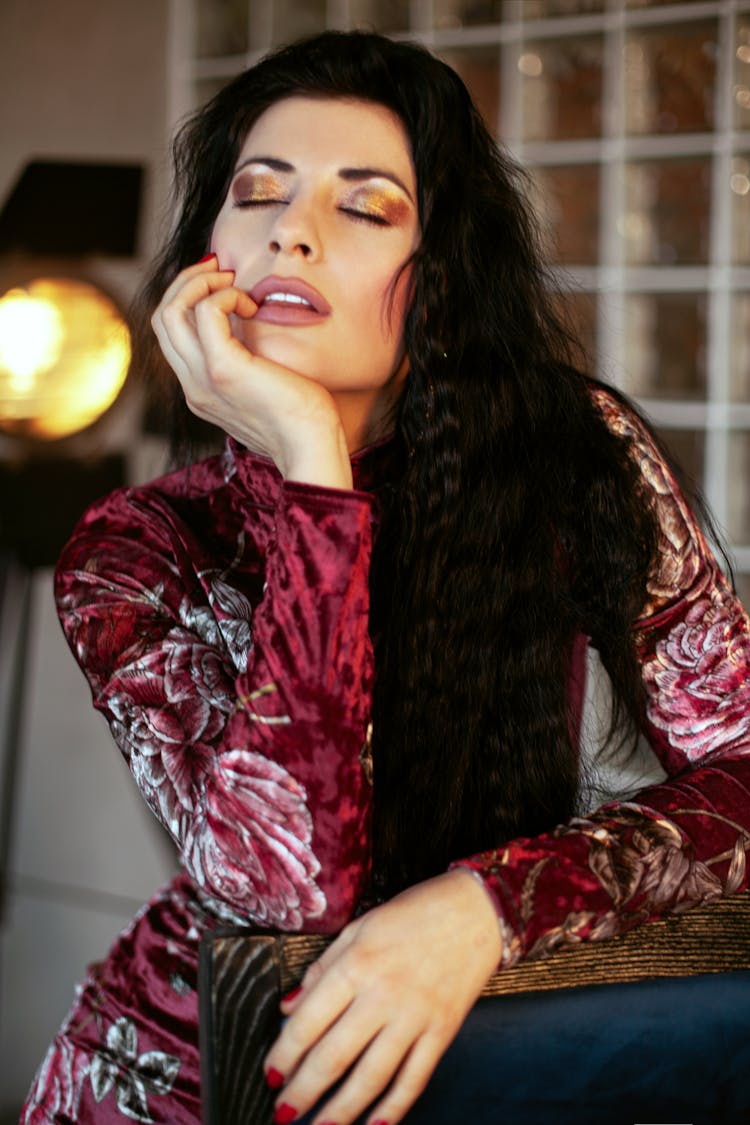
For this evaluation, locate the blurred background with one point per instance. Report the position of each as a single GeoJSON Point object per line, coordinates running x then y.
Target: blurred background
{"type": "Point", "coordinates": [634, 118]}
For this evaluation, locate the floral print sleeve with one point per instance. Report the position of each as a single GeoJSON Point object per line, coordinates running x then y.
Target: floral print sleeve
{"type": "Point", "coordinates": [221, 617]}
{"type": "Point", "coordinates": [684, 841]}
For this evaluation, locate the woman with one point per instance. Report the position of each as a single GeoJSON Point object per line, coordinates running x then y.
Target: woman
{"type": "Point", "coordinates": [267, 628]}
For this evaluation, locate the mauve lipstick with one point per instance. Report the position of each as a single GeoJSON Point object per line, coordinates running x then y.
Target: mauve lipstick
{"type": "Point", "coordinates": [294, 312]}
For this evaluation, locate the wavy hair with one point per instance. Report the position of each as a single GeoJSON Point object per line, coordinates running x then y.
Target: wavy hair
{"type": "Point", "coordinates": [516, 521]}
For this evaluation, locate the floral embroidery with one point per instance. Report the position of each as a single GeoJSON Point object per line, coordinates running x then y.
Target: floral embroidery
{"type": "Point", "coordinates": [234, 615]}
{"type": "Point", "coordinates": [250, 842]}
{"type": "Point", "coordinates": [571, 931]}
{"type": "Point", "coordinates": [679, 563]}
{"type": "Point", "coordinates": [171, 708]}
{"type": "Point", "coordinates": [56, 1092]}
{"type": "Point", "coordinates": [132, 1076]}
{"type": "Point", "coordinates": [226, 622]}
{"type": "Point", "coordinates": [697, 678]}
{"type": "Point", "coordinates": [656, 863]}
{"type": "Point", "coordinates": [254, 814]}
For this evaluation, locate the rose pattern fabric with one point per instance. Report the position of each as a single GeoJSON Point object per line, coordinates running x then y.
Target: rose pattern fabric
{"type": "Point", "coordinates": [165, 719]}
{"type": "Point", "coordinates": [197, 677]}
{"type": "Point", "coordinates": [256, 808]}
{"type": "Point", "coordinates": [697, 678]}
{"type": "Point", "coordinates": [681, 843]}
{"type": "Point", "coordinates": [222, 618]}
{"type": "Point", "coordinates": [56, 1092]}
{"type": "Point", "coordinates": [231, 613]}
{"type": "Point", "coordinates": [681, 568]}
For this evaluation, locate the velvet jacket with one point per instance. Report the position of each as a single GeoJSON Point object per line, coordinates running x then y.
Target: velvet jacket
{"type": "Point", "coordinates": [220, 615]}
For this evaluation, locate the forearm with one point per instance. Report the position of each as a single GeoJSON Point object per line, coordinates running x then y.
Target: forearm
{"type": "Point", "coordinates": [242, 718]}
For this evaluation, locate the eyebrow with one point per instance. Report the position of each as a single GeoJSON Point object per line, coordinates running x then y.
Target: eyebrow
{"type": "Point", "coordinates": [351, 175]}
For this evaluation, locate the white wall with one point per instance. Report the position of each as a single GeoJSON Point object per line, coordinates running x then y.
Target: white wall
{"type": "Point", "coordinates": [81, 79]}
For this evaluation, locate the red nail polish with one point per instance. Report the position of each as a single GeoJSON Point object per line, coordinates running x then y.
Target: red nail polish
{"type": "Point", "coordinates": [291, 995]}
{"type": "Point", "coordinates": [274, 1078]}
{"type": "Point", "coordinates": [205, 258]}
{"type": "Point", "coordinates": [284, 1114]}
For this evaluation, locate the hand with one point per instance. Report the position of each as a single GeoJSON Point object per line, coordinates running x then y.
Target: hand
{"type": "Point", "coordinates": [267, 407]}
{"type": "Point", "coordinates": [387, 998]}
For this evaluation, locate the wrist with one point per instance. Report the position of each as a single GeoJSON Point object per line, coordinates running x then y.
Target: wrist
{"type": "Point", "coordinates": [483, 906]}
{"type": "Point", "coordinates": [321, 458]}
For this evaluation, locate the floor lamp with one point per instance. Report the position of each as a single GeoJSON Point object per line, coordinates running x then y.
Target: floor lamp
{"type": "Point", "coordinates": [64, 357]}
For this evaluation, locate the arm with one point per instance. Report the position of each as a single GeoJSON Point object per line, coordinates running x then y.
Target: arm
{"type": "Point", "coordinates": [241, 713]}
{"type": "Point", "coordinates": [672, 846]}
{"type": "Point", "coordinates": [676, 844]}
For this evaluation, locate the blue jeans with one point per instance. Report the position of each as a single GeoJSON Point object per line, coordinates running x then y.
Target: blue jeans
{"type": "Point", "coordinates": [659, 1052]}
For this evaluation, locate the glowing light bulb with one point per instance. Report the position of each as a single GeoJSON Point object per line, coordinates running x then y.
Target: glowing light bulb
{"type": "Point", "coordinates": [530, 64]}
{"type": "Point", "coordinates": [64, 356]}
{"type": "Point", "coordinates": [31, 338]}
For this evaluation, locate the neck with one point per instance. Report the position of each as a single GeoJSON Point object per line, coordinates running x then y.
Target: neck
{"type": "Point", "coordinates": [368, 416]}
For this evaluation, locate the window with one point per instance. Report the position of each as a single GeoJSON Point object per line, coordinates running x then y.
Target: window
{"type": "Point", "coordinates": [634, 117]}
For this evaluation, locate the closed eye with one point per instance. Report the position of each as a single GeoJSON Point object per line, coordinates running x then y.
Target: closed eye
{"type": "Point", "coordinates": [365, 216]}
{"type": "Point", "coordinates": [245, 203]}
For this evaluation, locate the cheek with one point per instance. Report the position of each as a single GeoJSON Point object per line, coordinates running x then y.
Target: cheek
{"type": "Point", "coordinates": [217, 232]}
{"type": "Point", "coordinates": [234, 238]}
{"type": "Point", "coordinates": [378, 303]}
{"type": "Point", "coordinates": [393, 300]}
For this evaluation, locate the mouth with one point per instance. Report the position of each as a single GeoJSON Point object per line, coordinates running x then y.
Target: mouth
{"type": "Point", "coordinates": [288, 300]}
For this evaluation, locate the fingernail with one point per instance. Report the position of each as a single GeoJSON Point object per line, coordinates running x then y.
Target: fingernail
{"type": "Point", "coordinates": [284, 1114]}
{"type": "Point", "coordinates": [274, 1078]}
{"type": "Point", "coordinates": [205, 258]}
{"type": "Point", "coordinates": [380, 1121]}
{"type": "Point", "coordinates": [291, 995]}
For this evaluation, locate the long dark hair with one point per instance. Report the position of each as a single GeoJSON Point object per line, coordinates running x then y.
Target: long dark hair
{"type": "Point", "coordinates": [516, 522]}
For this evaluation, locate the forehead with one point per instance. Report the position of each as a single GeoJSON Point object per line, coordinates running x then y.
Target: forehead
{"type": "Point", "coordinates": [344, 132]}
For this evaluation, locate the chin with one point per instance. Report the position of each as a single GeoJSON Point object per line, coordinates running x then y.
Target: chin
{"type": "Point", "coordinates": [296, 357]}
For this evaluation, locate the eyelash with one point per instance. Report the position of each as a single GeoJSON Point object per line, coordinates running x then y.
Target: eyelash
{"type": "Point", "coordinates": [246, 204]}
{"type": "Point", "coordinates": [365, 217]}
{"type": "Point", "coordinates": [358, 216]}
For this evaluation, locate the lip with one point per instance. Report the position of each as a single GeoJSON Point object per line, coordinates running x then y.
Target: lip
{"type": "Point", "coordinates": [289, 314]}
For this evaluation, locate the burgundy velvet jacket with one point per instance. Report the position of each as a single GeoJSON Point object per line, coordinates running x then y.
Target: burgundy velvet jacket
{"type": "Point", "coordinates": [221, 617]}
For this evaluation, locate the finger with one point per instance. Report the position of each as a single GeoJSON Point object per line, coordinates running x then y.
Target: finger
{"type": "Point", "coordinates": [415, 1072]}
{"type": "Point", "coordinates": [212, 315]}
{"type": "Point", "coordinates": [332, 1056]}
{"type": "Point", "coordinates": [379, 1060]}
{"type": "Point", "coordinates": [223, 353]}
{"type": "Point", "coordinates": [175, 325]}
{"type": "Point", "coordinates": [314, 972]}
{"type": "Point", "coordinates": [319, 1007]}
{"type": "Point", "coordinates": [185, 293]}
{"type": "Point", "coordinates": [209, 264]}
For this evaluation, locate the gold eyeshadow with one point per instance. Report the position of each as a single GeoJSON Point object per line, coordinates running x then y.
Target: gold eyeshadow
{"type": "Point", "coordinates": [260, 185]}
{"type": "Point", "coordinates": [255, 187]}
{"type": "Point", "coordinates": [381, 204]}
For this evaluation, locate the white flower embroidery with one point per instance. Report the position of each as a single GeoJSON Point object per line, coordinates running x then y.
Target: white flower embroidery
{"type": "Point", "coordinates": [132, 1076]}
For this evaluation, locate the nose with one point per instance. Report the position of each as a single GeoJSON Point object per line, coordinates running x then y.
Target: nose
{"type": "Point", "coordinates": [295, 230]}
